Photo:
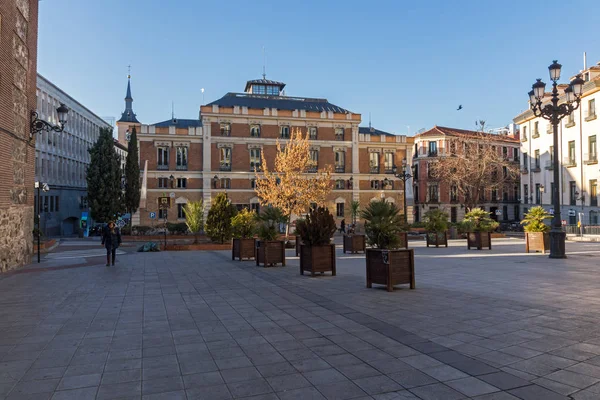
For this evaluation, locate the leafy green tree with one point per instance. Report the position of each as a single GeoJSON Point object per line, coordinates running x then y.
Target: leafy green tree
{"type": "Point", "coordinates": [132, 176]}
{"type": "Point", "coordinates": [105, 196]}
{"type": "Point", "coordinates": [194, 217]}
{"type": "Point", "coordinates": [218, 221]}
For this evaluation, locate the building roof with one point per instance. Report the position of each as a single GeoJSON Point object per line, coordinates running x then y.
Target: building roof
{"type": "Point", "coordinates": [373, 131]}
{"type": "Point", "coordinates": [128, 115]}
{"type": "Point", "coordinates": [264, 82]}
{"type": "Point", "coordinates": [445, 131]}
{"type": "Point", "coordinates": [119, 145]}
{"type": "Point", "coordinates": [179, 123]}
{"type": "Point", "coordinates": [278, 102]}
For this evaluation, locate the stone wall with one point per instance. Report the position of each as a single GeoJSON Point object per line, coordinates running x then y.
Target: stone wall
{"type": "Point", "coordinates": [16, 245]}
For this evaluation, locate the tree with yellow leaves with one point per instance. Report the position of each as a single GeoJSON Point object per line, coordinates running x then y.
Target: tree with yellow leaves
{"type": "Point", "coordinates": [288, 185]}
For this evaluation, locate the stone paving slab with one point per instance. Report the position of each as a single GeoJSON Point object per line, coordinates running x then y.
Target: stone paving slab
{"type": "Point", "coordinates": [485, 325]}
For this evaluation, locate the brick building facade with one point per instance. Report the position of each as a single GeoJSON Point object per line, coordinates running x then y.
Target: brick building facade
{"type": "Point", "coordinates": [194, 159]}
{"type": "Point", "coordinates": [18, 64]}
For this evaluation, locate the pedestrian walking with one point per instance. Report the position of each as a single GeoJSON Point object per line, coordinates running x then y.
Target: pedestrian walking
{"type": "Point", "coordinates": [343, 226]}
{"type": "Point", "coordinates": [111, 239]}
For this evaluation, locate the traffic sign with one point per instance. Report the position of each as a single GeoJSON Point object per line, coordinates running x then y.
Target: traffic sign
{"type": "Point", "coordinates": [498, 212]}
{"type": "Point", "coordinates": [152, 215]}
{"type": "Point", "coordinates": [120, 223]}
{"type": "Point", "coordinates": [172, 195]}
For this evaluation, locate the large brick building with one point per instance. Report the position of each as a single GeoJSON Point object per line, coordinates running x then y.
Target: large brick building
{"type": "Point", "coordinates": [193, 159]}
{"type": "Point", "coordinates": [18, 63]}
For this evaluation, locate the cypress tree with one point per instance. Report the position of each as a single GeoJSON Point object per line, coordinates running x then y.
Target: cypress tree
{"type": "Point", "coordinates": [132, 176]}
{"type": "Point", "coordinates": [104, 179]}
{"type": "Point", "coordinates": [218, 220]}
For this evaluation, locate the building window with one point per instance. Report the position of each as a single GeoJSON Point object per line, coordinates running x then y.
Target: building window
{"type": "Point", "coordinates": [494, 195]}
{"type": "Point", "coordinates": [387, 184]}
{"type": "Point", "coordinates": [225, 129]}
{"type": "Point", "coordinates": [255, 161]}
{"type": "Point", "coordinates": [453, 214]}
{"type": "Point", "coordinates": [181, 183]}
{"type": "Point", "coordinates": [225, 160]}
{"type": "Point", "coordinates": [516, 155]}
{"type": "Point", "coordinates": [505, 152]}
{"type": "Point", "coordinates": [339, 209]}
{"type": "Point", "coordinates": [259, 89]}
{"type": "Point", "coordinates": [593, 193]}
{"type": "Point", "coordinates": [416, 193]}
{"type": "Point", "coordinates": [163, 183]}
{"type": "Point", "coordinates": [593, 217]}
{"type": "Point", "coordinates": [162, 213]}
{"type": "Point", "coordinates": [538, 194]}
{"type": "Point", "coordinates": [254, 130]}
{"type": "Point", "coordinates": [571, 120]}
{"type": "Point", "coordinates": [284, 132]}
{"type": "Point", "coordinates": [537, 159]}
{"type": "Point", "coordinates": [505, 213]}
{"type": "Point", "coordinates": [591, 109]}
{"type": "Point", "coordinates": [56, 203]}
{"type": "Point", "coordinates": [388, 163]}
{"type": "Point", "coordinates": [524, 133]}
{"type": "Point", "coordinates": [180, 211]}
{"type": "Point", "coordinates": [374, 163]}
{"type": "Point", "coordinates": [51, 203]}
{"type": "Point", "coordinates": [433, 194]}
{"type": "Point", "coordinates": [312, 132]}
{"type": "Point", "coordinates": [163, 158]}
{"type": "Point", "coordinates": [255, 207]}
{"type": "Point", "coordinates": [225, 183]}
{"type": "Point", "coordinates": [453, 193]}
{"type": "Point", "coordinates": [340, 161]}
{"type": "Point", "coordinates": [375, 184]}
{"type": "Point", "coordinates": [182, 158]}
{"type": "Point", "coordinates": [571, 160]}
{"type": "Point", "coordinates": [432, 149]}
{"type": "Point", "coordinates": [572, 195]}
{"type": "Point", "coordinates": [272, 90]}
{"type": "Point", "coordinates": [526, 194]}
{"type": "Point", "coordinates": [592, 150]}
{"type": "Point", "coordinates": [536, 128]}
{"type": "Point", "coordinates": [340, 184]}
{"type": "Point", "coordinates": [339, 134]}
{"type": "Point", "coordinates": [314, 161]}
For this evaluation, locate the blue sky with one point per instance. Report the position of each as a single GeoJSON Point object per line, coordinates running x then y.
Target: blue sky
{"type": "Point", "coordinates": [407, 63]}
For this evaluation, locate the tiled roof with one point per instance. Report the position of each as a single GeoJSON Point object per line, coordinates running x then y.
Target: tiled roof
{"type": "Point", "coordinates": [128, 116]}
{"type": "Point", "coordinates": [373, 131]}
{"type": "Point", "coordinates": [279, 102]}
{"type": "Point", "coordinates": [179, 123]}
{"type": "Point", "coordinates": [445, 131]}
{"type": "Point", "coordinates": [263, 82]}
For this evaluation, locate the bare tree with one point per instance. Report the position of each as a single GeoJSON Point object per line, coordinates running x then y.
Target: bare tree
{"type": "Point", "coordinates": [474, 166]}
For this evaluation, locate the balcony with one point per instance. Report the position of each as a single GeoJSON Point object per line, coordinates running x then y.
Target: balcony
{"type": "Point", "coordinates": [388, 170]}
{"type": "Point", "coordinates": [374, 169]}
{"type": "Point", "coordinates": [312, 169]}
{"type": "Point", "coordinates": [591, 116]}
{"type": "Point", "coordinates": [570, 123]}
{"type": "Point", "coordinates": [590, 158]}
{"type": "Point", "coordinates": [524, 170]}
{"type": "Point", "coordinates": [535, 167]}
{"type": "Point", "coordinates": [162, 167]}
{"type": "Point", "coordinates": [535, 134]}
{"type": "Point", "coordinates": [181, 167]}
{"type": "Point", "coordinates": [225, 167]}
{"type": "Point", "coordinates": [549, 165]}
{"type": "Point", "coordinates": [432, 153]}
{"type": "Point", "coordinates": [340, 169]}
{"type": "Point", "coordinates": [569, 162]}
{"type": "Point", "coordinates": [524, 138]}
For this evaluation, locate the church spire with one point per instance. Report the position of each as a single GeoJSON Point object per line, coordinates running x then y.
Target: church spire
{"type": "Point", "coordinates": [128, 115]}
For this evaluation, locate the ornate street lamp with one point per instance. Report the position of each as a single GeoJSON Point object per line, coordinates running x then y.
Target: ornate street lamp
{"type": "Point", "coordinates": [555, 112]}
{"type": "Point", "coordinates": [403, 176]}
{"type": "Point", "coordinates": [39, 125]}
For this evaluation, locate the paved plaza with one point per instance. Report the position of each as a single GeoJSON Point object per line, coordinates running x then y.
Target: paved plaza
{"type": "Point", "coordinates": [486, 325]}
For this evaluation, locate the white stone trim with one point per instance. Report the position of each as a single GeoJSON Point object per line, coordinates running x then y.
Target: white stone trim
{"type": "Point", "coordinates": [255, 146]}
{"type": "Point", "coordinates": [181, 200]}
{"type": "Point", "coordinates": [340, 200]}
{"type": "Point", "coordinates": [255, 200]}
{"type": "Point", "coordinates": [181, 144]}
{"type": "Point", "coordinates": [224, 145]}
{"type": "Point", "coordinates": [374, 149]}
{"type": "Point", "coordinates": [162, 144]}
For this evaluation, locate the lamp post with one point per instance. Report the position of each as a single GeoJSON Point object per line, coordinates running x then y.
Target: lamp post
{"type": "Point", "coordinates": [39, 186]}
{"type": "Point", "coordinates": [403, 176]}
{"type": "Point", "coordinates": [542, 190]}
{"type": "Point", "coordinates": [555, 112]}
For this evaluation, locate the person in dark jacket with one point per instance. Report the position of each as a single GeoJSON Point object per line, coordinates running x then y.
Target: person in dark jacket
{"type": "Point", "coordinates": [343, 226]}
{"type": "Point", "coordinates": [111, 239]}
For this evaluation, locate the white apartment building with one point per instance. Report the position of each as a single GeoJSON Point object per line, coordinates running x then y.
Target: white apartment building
{"type": "Point", "coordinates": [578, 153]}
{"type": "Point", "coordinates": [61, 159]}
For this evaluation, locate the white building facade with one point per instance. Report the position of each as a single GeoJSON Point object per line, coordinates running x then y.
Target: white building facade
{"type": "Point", "coordinates": [578, 156]}
{"type": "Point", "coordinates": [62, 160]}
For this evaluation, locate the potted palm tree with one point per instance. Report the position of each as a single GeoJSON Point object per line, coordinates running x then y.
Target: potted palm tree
{"type": "Point", "coordinates": [478, 226]}
{"type": "Point", "coordinates": [537, 236]}
{"type": "Point", "coordinates": [386, 263]}
{"type": "Point", "coordinates": [243, 226]}
{"type": "Point", "coordinates": [436, 227]}
{"type": "Point", "coordinates": [317, 253]}
{"type": "Point", "coordinates": [269, 249]}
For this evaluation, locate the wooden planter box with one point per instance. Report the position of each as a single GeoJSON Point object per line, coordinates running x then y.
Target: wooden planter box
{"type": "Point", "coordinates": [390, 267]}
{"type": "Point", "coordinates": [403, 239]}
{"type": "Point", "coordinates": [354, 243]}
{"type": "Point", "coordinates": [537, 241]}
{"type": "Point", "coordinates": [298, 244]}
{"type": "Point", "coordinates": [243, 248]}
{"type": "Point", "coordinates": [315, 259]}
{"type": "Point", "coordinates": [479, 240]}
{"type": "Point", "coordinates": [270, 252]}
{"type": "Point", "coordinates": [437, 239]}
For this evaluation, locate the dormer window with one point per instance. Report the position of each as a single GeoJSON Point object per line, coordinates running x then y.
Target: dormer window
{"type": "Point", "coordinates": [259, 89]}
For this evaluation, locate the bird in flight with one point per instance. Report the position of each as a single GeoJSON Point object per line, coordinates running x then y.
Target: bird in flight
{"type": "Point", "coordinates": [459, 107]}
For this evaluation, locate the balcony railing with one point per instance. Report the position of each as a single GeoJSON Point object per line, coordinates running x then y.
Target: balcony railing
{"type": "Point", "coordinates": [524, 170]}
{"type": "Point", "coordinates": [569, 162]}
{"type": "Point", "coordinates": [162, 167]}
{"type": "Point", "coordinates": [312, 169]}
{"type": "Point", "coordinates": [181, 167]}
{"type": "Point", "coordinates": [590, 158]}
{"type": "Point", "coordinates": [535, 167]}
{"type": "Point", "coordinates": [340, 168]}
{"type": "Point", "coordinates": [374, 169]}
{"type": "Point", "coordinates": [591, 116]}
{"type": "Point", "coordinates": [224, 167]}
{"type": "Point", "coordinates": [524, 138]}
{"type": "Point", "coordinates": [432, 153]}
{"type": "Point", "coordinates": [549, 165]}
{"type": "Point", "coordinates": [388, 170]}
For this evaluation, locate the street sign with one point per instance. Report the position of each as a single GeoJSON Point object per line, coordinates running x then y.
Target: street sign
{"type": "Point", "coordinates": [172, 195]}
{"type": "Point", "coordinates": [152, 215]}
{"type": "Point", "coordinates": [84, 216]}
{"type": "Point", "coordinates": [551, 211]}
{"type": "Point", "coordinates": [498, 212]}
{"type": "Point", "coordinates": [164, 203]}
{"type": "Point", "coordinates": [120, 223]}
{"type": "Point", "coordinates": [572, 213]}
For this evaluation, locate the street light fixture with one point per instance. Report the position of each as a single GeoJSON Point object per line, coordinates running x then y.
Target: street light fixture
{"type": "Point", "coordinates": [39, 125]}
{"type": "Point", "coordinates": [172, 180]}
{"type": "Point", "coordinates": [403, 176]}
{"type": "Point", "coordinates": [555, 112]}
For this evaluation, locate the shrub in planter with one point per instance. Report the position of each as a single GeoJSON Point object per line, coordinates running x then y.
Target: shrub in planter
{"type": "Point", "coordinates": [436, 226]}
{"type": "Point", "coordinates": [243, 226]}
{"type": "Point", "coordinates": [317, 253]}
{"type": "Point", "coordinates": [537, 236]}
{"type": "Point", "coordinates": [218, 220]}
{"type": "Point", "coordinates": [478, 225]}
{"type": "Point", "coordinates": [141, 229]}
{"type": "Point", "coordinates": [269, 250]}
{"type": "Point", "coordinates": [386, 263]}
{"type": "Point", "coordinates": [179, 228]}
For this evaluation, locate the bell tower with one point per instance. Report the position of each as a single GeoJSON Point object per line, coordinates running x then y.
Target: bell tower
{"type": "Point", "coordinates": [128, 119]}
